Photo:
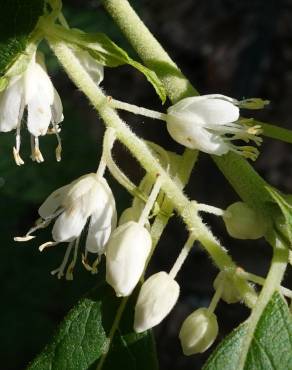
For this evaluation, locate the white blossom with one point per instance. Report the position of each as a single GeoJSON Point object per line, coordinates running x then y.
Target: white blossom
{"type": "Point", "coordinates": [31, 89]}
{"type": "Point", "coordinates": [88, 199]}
{"type": "Point", "coordinates": [198, 331]}
{"type": "Point", "coordinates": [209, 123]}
{"type": "Point", "coordinates": [126, 254]}
{"type": "Point", "coordinates": [156, 299]}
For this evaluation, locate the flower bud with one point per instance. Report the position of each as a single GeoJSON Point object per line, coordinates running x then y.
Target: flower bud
{"type": "Point", "coordinates": [126, 254]}
{"type": "Point", "coordinates": [198, 331]}
{"type": "Point", "coordinates": [156, 299]}
{"type": "Point", "coordinates": [242, 222]}
{"type": "Point", "coordinates": [229, 294]}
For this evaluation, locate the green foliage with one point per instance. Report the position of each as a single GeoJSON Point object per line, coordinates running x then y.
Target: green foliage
{"type": "Point", "coordinates": [283, 222]}
{"type": "Point", "coordinates": [83, 337]}
{"type": "Point", "coordinates": [107, 53]}
{"type": "Point", "coordinates": [271, 346]}
{"type": "Point", "coordinates": [17, 20]}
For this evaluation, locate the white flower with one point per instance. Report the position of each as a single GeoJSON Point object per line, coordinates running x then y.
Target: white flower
{"type": "Point", "coordinates": [87, 199]}
{"type": "Point", "coordinates": [31, 89]}
{"type": "Point", "coordinates": [156, 299]}
{"type": "Point", "coordinates": [209, 123]}
{"type": "Point", "coordinates": [126, 254]}
{"type": "Point", "coordinates": [198, 331]}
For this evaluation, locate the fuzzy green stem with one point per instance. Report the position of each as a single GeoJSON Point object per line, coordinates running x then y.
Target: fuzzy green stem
{"type": "Point", "coordinates": [149, 49]}
{"type": "Point", "coordinates": [272, 284]}
{"type": "Point", "coordinates": [117, 104]}
{"type": "Point", "coordinates": [182, 256]}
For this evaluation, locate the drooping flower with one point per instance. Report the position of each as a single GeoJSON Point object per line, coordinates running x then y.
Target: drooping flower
{"type": "Point", "coordinates": [31, 89]}
{"type": "Point", "coordinates": [126, 255]}
{"type": "Point", "coordinates": [156, 299]}
{"type": "Point", "coordinates": [88, 199]}
{"type": "Point", "coordinates": [211, 122]}
{"type": "Point", "coordinates": [198, 331]}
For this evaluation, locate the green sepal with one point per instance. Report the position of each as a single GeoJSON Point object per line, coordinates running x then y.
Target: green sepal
{"type": "Point", "coordinates": [107, 53]}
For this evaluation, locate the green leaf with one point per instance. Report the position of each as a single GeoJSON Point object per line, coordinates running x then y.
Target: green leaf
{"type": "Point", "coordinates": [83, 337]}
{"type": "Point", "coordinates": [283, 223]}
{"type": "Point", "coordinates": [17, 20]}
{"type": "Point", "coordinates": [107, 53]}
{"type": "Point", "coordinates": [271, 346]}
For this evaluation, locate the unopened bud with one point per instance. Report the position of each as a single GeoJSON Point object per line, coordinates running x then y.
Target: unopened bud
{"type": "Point", "coordinates": [230, 293]}
{"type": "Point", "coordinates": [156, 299]}
{"type": "Point", "coordinates": [242, 222]}
{"type": "Point", "coordinates": [198, 331]}
{"type": "Point", "coordinates": [126, 254]}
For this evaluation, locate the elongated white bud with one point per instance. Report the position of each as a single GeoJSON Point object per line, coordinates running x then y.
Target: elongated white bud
{"type": "Point", "coordinates": [198, 331]}
{"type": "Point", "coordinates": [242, 222]}
{"type": "Point", "coordinates": [126, 254]}
{"type": "Point", "coordinates": [156, 299]}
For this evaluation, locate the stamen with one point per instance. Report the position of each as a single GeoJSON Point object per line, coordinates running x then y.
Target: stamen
{"type": "Point", "coordinates": [61, 268]}
{"type": "Point", "coordinates": [16, 149]}
{"type": "Point", "coordinates": [70, 269]}
{"type": "Point", "coordinates": [17, 158]}
{"type": "Point", "coordinates": [47, 245]}
{"type": "Point", "coordinates": [59, 146]}
{"type": "Point", "coordinates": [36, 154]}
{"type": "Point", "coordinates": [23, 238]}
{"type": "Point", "coordinates": [40, 224]}
{"type": "Point", "coordinates": [93, 267]}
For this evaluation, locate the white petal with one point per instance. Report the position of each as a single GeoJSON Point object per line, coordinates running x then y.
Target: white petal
{"type": "Point", "coordinates": [53, 202]}
{"type": "Point", "coordinates": [39, 96]}
{"type": "Point", "coordinates": [102, 223]}
{"type": "Point", "coordinates": [201, 110]}
{"type": "Point", "coordinates": [69, 225]}
{"type": "Point", "coordinates": [11, 101]}
{"type": "Point", "coordinates": [90, 193]}
{"type": "Point", "coordinates": [156, 299]}
{"type": "Point", "coordinates": [196, 137]}
{"type": "Point", "coordinates": [94, 69]}
{"type": "Point", "coordinates": [57, 108]}
{"type": "Point", "coordinates": [216, 111]}
{"type": "Point", "coordinates": [126, 254]}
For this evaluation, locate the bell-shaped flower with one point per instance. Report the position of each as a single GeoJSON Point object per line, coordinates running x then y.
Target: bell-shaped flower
{"type": "Point", "coordinates": [243, 222]}
{"type": "Point", "coordinates": [88, 199]}
{"type": "Point", "coordinates": [127, 252]}
{"type": "Point", "coordinates": [31, 89]}
{"type": "Point", "coordinates": [156, 299]}
{"type": "Point", "coordinates": [210, 123]}
{"type": "Point", "coordinates": [198, 331]}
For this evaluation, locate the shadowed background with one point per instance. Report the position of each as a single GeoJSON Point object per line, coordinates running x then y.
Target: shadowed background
{"type": "Point", "coordinates": [238, 48]}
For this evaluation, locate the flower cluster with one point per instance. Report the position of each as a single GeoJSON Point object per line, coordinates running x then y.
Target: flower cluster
{"type": "Point", "coordinates": [85, 209]}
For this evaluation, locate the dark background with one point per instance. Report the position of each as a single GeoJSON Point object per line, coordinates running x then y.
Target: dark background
{"type": "Point", "coordinates": [238, 48]}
